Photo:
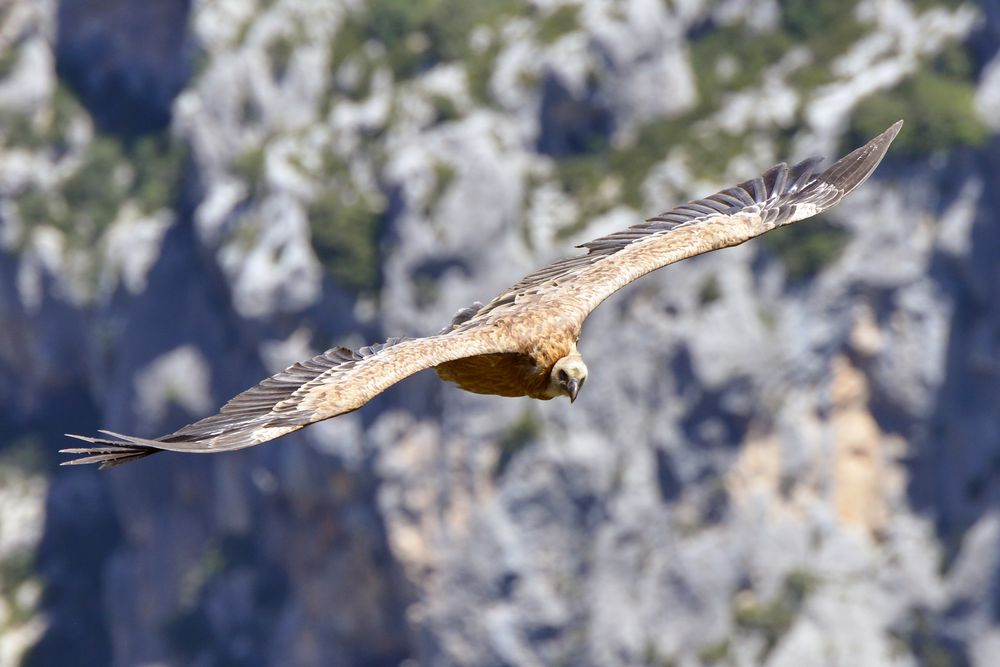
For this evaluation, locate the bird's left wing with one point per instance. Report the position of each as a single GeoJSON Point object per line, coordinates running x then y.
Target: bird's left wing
{"type": "Point", "coordinates": [333, 383]}
{"type": "Point", "coordinates": [574, 286]}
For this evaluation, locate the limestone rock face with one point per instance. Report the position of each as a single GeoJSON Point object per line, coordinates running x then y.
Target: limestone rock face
{"type": "Point", "coordinates": [786, 453]}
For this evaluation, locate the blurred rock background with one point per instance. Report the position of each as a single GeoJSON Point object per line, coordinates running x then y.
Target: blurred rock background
{"type": "Point", "coordinates": [788, 453]}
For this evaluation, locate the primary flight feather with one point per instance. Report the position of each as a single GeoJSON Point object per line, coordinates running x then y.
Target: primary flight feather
{"type": "Point", "coordinates": [523, 342]}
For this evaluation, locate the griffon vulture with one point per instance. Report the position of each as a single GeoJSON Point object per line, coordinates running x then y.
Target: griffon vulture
{"type": "Point", "coordinates": [523, 342]}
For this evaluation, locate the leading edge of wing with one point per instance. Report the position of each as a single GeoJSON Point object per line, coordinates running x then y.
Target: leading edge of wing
{"type": "Point", "coordinates": [780, 195]}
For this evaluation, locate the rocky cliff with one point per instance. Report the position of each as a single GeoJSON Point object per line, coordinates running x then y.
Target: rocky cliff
{"type": "Point", "coordinates": [787, 454]}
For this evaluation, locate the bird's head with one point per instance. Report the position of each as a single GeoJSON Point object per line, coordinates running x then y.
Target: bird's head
{"type": "Point", "coordinates": [567, 376]}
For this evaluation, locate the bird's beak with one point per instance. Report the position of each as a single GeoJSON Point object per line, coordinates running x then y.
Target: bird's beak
{"type": "Point", "coordinates": [572, 388]}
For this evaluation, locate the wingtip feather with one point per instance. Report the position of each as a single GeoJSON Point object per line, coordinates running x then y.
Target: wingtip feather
{"type": "Point", "coordinates": [107, 453]}
{"type": "Point", "coordinates": [853, 169]}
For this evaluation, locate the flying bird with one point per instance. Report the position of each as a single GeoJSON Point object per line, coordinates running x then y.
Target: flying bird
{"type": "Point", "coordinates": [523, 342]}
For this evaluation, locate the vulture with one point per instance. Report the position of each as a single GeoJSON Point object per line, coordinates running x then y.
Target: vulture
{"type": "Point", "coordinates": [523, 342]}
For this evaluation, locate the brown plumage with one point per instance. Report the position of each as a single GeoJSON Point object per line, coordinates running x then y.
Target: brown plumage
{"type": "Point", "coordinates": [523, 342]}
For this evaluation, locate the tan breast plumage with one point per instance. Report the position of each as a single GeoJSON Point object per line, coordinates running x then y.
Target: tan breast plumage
{"type": "Point", "coordinates": [497, 374]}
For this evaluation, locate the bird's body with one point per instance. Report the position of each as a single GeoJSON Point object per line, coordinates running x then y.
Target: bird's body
{"type": "Point", "coordinates": [523, 342]}
{"type": "Point", "coordinates": [512, 374]}
{"type": "Point", "coordinates": [538, 343]}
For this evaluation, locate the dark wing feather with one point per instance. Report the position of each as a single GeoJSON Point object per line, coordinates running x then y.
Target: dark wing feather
{"type": "Point", "coordinates": [333, 383]}
{"type": "Point", "coordinates": [462, 316]}
{"type": "Point", "coordinates": [781, 196]}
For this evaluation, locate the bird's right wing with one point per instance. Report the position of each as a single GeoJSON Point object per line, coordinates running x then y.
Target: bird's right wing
{"type": "Point", "coordinates": [333, 383]}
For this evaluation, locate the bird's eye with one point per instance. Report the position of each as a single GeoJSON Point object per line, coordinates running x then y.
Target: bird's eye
{"type": "Point", "coordinates": [563, 376]}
